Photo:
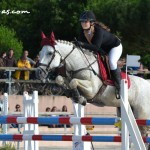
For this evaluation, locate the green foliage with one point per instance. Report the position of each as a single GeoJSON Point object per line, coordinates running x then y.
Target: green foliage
{"type": "Point", "coordinates": [145, 59]}
{"type": "Point", "coordinates": [8, 40]}
{"type": "Point", "coordinates": [7, 147]}
{"type": "Point", "coordinates": [129, 19]}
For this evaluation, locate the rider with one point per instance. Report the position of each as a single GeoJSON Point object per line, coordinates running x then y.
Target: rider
{"type": "Point", "coordinates": [95, 36]}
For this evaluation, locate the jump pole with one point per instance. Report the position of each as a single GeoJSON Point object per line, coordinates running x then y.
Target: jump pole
{"type": "Point", "coordinates": [129, 121]}
{"type": "Point", "coordinates": [79, 130]}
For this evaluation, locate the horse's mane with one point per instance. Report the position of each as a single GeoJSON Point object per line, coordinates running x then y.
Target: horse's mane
{"type": "Point", "coordinates": [87, 51]}
{"type": "Point", "coordinates": [64, 42]}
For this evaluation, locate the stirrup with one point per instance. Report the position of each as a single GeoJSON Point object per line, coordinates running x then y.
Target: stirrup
{"type": "Point", "coordinates": [117, 93]}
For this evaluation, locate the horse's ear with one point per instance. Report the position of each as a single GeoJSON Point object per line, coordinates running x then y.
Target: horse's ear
{"type": "Point", "coordinates": [43, 35]}
{"type": "Point", "coordinates": [52, 39]}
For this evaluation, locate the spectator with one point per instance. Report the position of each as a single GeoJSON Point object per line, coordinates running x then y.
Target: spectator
{"type": "Point", "coordinates": [23, 63]}
{"type": "Point", "coordinates": [54, 109]}
{"type": "Point", "coordinates": [64, 109]}
{"type": "Point", "coordinates": [18, 108]}
{"type": "Point", "coordinates": [10, 60]}
{"type": "Point", "coordinates": [122, 64]}
{"type": "Point", "coordinates": [37, 60]}
{"type": "Point", "coordinates": [2, 64]}
{"type": "Point", "coordinates": [2, 59]}
{"type": "Point", "coordinates": [48, 109]}
{"type": "Point", "coordinates": [32, 62]}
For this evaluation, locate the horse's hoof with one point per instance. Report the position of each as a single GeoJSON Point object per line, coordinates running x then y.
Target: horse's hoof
{"type": "Point", "coordinates": [82, 101]}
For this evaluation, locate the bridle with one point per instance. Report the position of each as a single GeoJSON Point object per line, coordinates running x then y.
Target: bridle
{"type": "Point", "coordinates": [62, 60]}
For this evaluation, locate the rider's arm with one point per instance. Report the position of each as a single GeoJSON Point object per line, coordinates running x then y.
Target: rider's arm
{"type": "Point", "coordinates": [90, 47]}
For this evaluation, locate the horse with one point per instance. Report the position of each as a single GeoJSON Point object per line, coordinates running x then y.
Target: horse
{"type": "Point", "coordinates": [79, 65]}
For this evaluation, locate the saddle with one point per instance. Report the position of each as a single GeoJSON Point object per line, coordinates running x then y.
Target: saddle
{"type": "Point", "coordinates": [104, 68]}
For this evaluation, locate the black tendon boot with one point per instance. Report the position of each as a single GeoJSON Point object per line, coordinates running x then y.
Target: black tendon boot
{"type": "Point", "coordinates": [117, 81]}
{"type": "Point", "coordinates": [77, 98]}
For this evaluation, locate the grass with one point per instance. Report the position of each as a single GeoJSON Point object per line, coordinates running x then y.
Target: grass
{"type": "Point", "coordinates": [7, 147]}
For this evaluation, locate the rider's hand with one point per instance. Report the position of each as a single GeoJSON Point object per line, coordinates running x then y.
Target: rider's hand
{"type": "Point", "coordinates": [77, 43]}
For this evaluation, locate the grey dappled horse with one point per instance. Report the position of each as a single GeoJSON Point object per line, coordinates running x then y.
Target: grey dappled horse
{"type": "Point", "coordinates": [79, 65]}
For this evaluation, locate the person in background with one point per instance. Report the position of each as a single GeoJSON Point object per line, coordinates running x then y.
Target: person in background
{"type": "Point", "coordinates": [10, 60]}
{"type": "Point", "coordinates": [64, 108]}
{"type": "Point", "coordinates": [54, 109]}
{"type": "Point", "coordinates": [23, 63]}
{"type": "Point", "coordinates": [48, 109]}
{"type": "Point", "coordinates": [37, 60]}
{"type": "Point", "coordinates": [2, 64]}
{"type": "Point", "coordinates": [18, 108]}
{"type": "Point", "coordinates": [97, 37]}
{"type": "Point", "coordinates": [32, 62]}
{"type": "Point", "coordinates": [2, 59]}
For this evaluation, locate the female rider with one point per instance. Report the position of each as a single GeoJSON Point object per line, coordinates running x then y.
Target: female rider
{"type": "Point", "coordinates": [96, 37]}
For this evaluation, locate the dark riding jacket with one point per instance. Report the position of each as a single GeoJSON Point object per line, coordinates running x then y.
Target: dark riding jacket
{"type": "Point", "coordinates": [102, 41]}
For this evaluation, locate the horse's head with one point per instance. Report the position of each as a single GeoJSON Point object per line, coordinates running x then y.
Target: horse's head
{"type": "Point", "coordinates": [49, 57]}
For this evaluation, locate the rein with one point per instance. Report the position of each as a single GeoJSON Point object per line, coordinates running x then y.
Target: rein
{"type": "Point", "coordinates": [62, 63]}
{"type": "Point", "coordinates": [47, 65]}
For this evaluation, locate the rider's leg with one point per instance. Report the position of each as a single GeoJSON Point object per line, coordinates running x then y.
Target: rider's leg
{"type": "Point", "coordinates": [114, 56]}
{"type": "Point", "coordinates": [117, 78]}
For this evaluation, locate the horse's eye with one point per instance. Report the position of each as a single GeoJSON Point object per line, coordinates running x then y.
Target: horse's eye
{"type": "Point", "coordinates": [50, 53]}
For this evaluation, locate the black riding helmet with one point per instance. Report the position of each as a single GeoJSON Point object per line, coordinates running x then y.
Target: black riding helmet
{"type": "Point", "coordinates": [87, 16]}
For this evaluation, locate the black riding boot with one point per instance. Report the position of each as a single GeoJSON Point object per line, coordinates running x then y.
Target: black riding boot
{"type": "Point", "coordinates": [117, 79]}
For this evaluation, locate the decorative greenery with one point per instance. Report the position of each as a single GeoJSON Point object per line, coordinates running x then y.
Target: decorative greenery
{"type": "Point", "coordinates": [128, 18]}
{"type": "Point", "coordinates": [8, 40]}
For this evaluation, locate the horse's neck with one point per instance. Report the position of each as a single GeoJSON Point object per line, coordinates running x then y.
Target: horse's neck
{"type": "Point", "coordinates": [74, 57]}
{"type": "Point", "coordinates": [64, 49]}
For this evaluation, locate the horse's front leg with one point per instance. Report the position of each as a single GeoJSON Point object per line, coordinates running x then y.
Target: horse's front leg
{"type": "Point", "coordinates": [79, 87]}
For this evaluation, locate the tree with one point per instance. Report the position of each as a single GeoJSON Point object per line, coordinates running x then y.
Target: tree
{"type": "Point", "coordinates": [9, 40]}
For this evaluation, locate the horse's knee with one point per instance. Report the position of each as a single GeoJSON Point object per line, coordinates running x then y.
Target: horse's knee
{"type": "Point", "coordinates": [73, 84]}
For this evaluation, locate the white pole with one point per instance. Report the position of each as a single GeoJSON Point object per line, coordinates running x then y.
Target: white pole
{"type": "Point", "coordinates": [124, 129]}
{"type": "Point", "coordinates": [31, 110]}
{"type": "Point", "coordinates": [131, 124]}
{"type": "Point", "coordinates": [5, 112]}
{"type": "Point", "coordinates": [80, 129]}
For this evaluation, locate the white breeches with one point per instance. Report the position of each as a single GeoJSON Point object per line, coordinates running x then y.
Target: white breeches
{"type": "Point", "coordinates": [114, 56]}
